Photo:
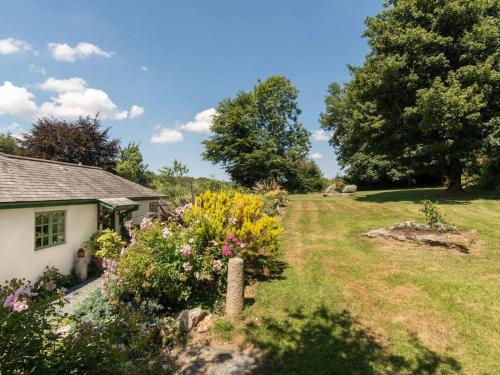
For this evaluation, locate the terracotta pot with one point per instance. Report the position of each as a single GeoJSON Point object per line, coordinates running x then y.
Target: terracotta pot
{"type": "Point", "coordinates": [80, 253]}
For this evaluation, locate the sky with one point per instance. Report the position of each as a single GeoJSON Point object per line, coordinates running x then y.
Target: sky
{"type": "Point", "coordinates": [156, 70]}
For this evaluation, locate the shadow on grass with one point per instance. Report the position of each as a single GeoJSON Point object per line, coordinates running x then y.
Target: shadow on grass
{"type": "Point", "coordinates": [323, 342]}
{"type": "Point", "coordinates": [440, 196]}
{"type": "Point", "coordinates": [265, 268]}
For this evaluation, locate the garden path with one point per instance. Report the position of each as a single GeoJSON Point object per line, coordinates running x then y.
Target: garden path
{"type": "Point", "coordinates": [78, 293]}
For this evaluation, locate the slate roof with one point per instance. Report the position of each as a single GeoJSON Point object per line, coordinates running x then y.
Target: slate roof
{"type": "Point", "coordinates": [25, 179]}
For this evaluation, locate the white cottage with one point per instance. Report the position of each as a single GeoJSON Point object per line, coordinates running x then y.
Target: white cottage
{"type": "Point", "coordinates": [48, 209]}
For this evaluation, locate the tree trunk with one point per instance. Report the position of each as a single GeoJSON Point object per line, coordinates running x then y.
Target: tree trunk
{"type": "Point", "coordinates": [454, 175]}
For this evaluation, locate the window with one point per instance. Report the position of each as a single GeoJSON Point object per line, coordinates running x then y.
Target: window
{"type": "Point", "coordinates": [153, 206]}
{"type": "Point", "coordinates": [49, 229]}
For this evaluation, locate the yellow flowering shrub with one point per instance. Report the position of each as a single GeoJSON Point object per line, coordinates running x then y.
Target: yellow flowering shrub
{"type": "Point", "coordinates": [217, 214]}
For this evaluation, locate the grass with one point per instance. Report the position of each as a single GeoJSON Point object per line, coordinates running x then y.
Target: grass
{"type": "Point", "coordinates": [223, 329]}
{"type": "Point", "coordinates": [347, 305]}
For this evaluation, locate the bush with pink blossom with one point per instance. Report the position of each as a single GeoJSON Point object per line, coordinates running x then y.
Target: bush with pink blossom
{"type": "Point", "coordinates": [172, 264]}
{"type": "Point", "coordinates": [27, 331]}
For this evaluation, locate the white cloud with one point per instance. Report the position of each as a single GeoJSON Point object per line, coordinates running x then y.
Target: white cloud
{"type": "Point", "coordinates": [316, 156]}
{"type": "Point", "coordinates": [10, 45]}
{"type": "Point", "coordinates": [10, 128]}
{"type": "Point", "coordinates": [75, 99]}
{"type": "Point", "coordinates": [321, 135]}
{"type": "Point", "coordinates": [136, 111]}
{"type": "Point", "coordinates": [37, 69]}
{"type": "Point", "coordinates": [75, 84]}
{"type": "Point", "coordinates": [166, 135]}
{"type": "Point", "coordinates": [144, 68]}
{"type": "Point", "coordinates": [202, 122]}
{"type": "Point", "coordinates": [14, 129]}
{"type": "Point", "coordinates": [64, 52]}
{"type": "Point", "coordinates": [16, 101]}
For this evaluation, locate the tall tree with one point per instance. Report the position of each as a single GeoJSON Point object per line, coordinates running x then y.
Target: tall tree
{"type": "Point", "coordinates": [81, 141]}
{"type": "Point", "coordinates": [130, 165]}
{"type": "Point", "coordinates": [9, 144]}
{"type": "Point", "coordinates": [257, 135]}
{"type": "Point", "coordinates": [427, 96]}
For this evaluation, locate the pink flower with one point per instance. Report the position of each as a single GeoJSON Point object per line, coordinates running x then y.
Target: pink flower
{"type": "Point", "coordinates": [146, 223]}
{"type": "Point", "coordinates": [227, 251]}
{"type": "Point", "coordinates": [110, 265]}
{"type": "Point", "coordinates": [187, 266]}
{"type": "Point", "coordinates": [217, 265]}
{"type": "Point", "coordinates": [166, 233]}
{"type": "Point", "coordinates": [231, 236]}
{"type": "Point", "coordinates": [242, 245]}
{"type": "Point", "coordinates": [186, 250]}
{"type": "Point", "coordinates": [20, 306]}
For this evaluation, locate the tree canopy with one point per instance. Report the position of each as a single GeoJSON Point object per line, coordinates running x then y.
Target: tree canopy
{"type": "Point", "coordinates": [130, 165]}
{"type": "Point", "coordinates": [257, 135]}
{"type": "Point", "coordinates": [9, 144]}
{"type": "Point", "coordinates": [426, 98]}
{"type": "Point", "coordinates": [81, 141]}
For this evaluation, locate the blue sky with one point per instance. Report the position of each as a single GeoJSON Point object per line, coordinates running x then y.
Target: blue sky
{"type": "Point", "coordinates": [151, 66]}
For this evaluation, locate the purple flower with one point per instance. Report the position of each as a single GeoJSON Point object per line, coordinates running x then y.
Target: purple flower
{"type": "Point", "coordinates": [186, 250]}
{"type": "Point", "coordinates": [227, 251]}
{"type": "Point", "coordinates": [217, 265]}
{"type": "Point", "coordinates": [187, 266]}
{"type": "Point", "coordinates": [9, 301]}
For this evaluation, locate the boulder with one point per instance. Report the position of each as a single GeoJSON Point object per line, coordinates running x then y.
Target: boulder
{"type": "Point", "coordinates": [464, 241]}
{"type": "Point", "coordinates": [188, 319]}
{"type": "Point", "coordinates": [205, 324]}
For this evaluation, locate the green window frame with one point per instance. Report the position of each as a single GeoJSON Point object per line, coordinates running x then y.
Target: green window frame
{"type": "Point", "coordinates": [50, 229]}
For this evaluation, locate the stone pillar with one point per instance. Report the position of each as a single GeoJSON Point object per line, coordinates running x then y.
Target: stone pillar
{"type": "Point", "coordinates": [81, 267]}
{"type": "Point", "coordinates": [235, 286]}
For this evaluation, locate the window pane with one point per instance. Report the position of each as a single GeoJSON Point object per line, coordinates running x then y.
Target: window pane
{"type": "Point", "coordinates": [49, 228]}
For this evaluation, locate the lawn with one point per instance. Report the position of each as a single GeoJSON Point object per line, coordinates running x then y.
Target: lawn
{"type": "Point", "coordinates": [346, 305]}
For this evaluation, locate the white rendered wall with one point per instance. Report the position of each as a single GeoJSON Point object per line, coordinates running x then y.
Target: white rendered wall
{"type": "Point", "coordinates": [142, 211]}
{"type": "Point", "coordinates": [18, 257]}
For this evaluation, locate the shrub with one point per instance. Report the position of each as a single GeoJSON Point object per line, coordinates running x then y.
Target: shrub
{"type": "Point", "coordinates": [274, 200]}
{"type": "Point", "coordinates": [266, 186]}
{"type": "Point", "coordinates": [92, 246]}
{"type": "Point", "coordinates": [173, 265]}
{"type": "Point", "coordinates": [52, 279]}
{"type": "Point", "coordinates": [433, 217]}
{"type": "Point", "coordinates": [218, 214]}
{"type": "Point", "coordinates": [350, 189]}
{"type": "Point", "coordinates": [27, 332]}
{"type": "Point", "coordinates": [110, 244]}
{"type": "Point", "coordinates": [125, 339]}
